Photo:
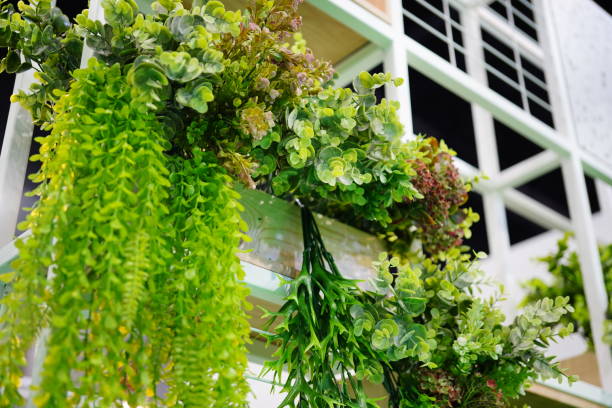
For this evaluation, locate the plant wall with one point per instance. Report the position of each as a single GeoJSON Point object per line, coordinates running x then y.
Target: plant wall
{"type": "Point", "coordinates": [131, 266]}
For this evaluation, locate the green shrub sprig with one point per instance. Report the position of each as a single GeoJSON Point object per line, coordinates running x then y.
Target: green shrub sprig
{"type": "Point", "coordinates": [567, 281]}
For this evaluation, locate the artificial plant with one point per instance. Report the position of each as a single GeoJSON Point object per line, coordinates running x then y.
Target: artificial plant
{"type": "Point", "coordinates": [130, 263]}
{"type": "Point", "coordinates": [422, 331]}
{"type": "Point", "coordinates": [564, 266]}
{"type": "Point", "coordinates": [326, 360]}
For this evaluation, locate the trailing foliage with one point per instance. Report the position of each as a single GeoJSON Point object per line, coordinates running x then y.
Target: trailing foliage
{"type": "Point", "coordinates": [326, 360]}
{"type": "Point", "coordinates": [564, 267]}
{"type": "Point", "coordinates": [127, 306]}
{"type": "Point", "coordinates": [424, 331]}
{"type": "Point", "coordinates": [103, 186]}
{"type": "Point", "coordinates": [207, 327]}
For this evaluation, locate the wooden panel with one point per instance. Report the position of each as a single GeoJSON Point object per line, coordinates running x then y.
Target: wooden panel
{"type": "Point", "coordinates": [376, 7]}
{"type": "Point", "coordinates": [276, 233]}
{"type": "Point", "coordinates": [255, 315]}
{"type": "Point", "coordinates": [584, 366]}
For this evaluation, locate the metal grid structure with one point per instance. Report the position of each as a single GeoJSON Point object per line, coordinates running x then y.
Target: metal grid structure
{"type": "Point", "coordinates": [437, 25]}
{"type": "Point", "coordinates": [390, 44]}
{"type": "Point", "coordinates": [519, 13]}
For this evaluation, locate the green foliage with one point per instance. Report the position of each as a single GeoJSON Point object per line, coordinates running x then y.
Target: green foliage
{"type": "Point", "coordinates": [326, 360]}
{"type": "Point", "coordinates": [230, 83]}
{"type": "Point", "coordinates": [103, 181]}
{"type": "Point", "coordinates": [207, 324]}
{"type": "Point", "coordinates": [422, 329]}
{"type": "Point", "coordinates": [138, 225]}
{"type": "Point", "coordinates": [564, 267]}
{"type": "Point", "coordinates": [38, 36]}
{"type": "Point", "coordinates": [144, 281]}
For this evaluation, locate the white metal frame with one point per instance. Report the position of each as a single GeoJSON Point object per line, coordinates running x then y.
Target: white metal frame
{"type": "Point", "coordinates": [447, 36]}
{"type": "Point", "coordinates": [390, 45]}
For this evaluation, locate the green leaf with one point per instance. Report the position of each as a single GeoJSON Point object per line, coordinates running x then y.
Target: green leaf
{"type": "Point", "coordinates": [195, 95]}
{"type": "Point", "coordinates": [12, 62]}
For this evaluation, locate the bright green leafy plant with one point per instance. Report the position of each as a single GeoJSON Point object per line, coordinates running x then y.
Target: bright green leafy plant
{"type": "Point", "coordinates": [230, 83]}
{"type": "Point", "coordinates": [564, 266]}
{"type": "Point", "coordinates": [139, 282]}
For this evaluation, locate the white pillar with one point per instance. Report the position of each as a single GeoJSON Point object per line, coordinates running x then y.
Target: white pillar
{"type": "Point", "coordinates": [486, 148]}
{"type": "Point", "coordinates": [14, 160]}
{"type": "Point", "coordinates": [396, 64]}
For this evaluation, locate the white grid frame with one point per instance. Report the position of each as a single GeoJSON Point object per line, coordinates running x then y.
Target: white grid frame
{"type": "Point", "coordinates": [448, 36]}
{"type": "Point", "coordinates": [513, 14]}
{"type": "Point", "coordinates": [391, 45]}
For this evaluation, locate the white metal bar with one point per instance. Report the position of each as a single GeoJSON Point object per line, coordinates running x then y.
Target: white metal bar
{"type": "Point", "coordinates": [583, 390]}
{"type": "Point", "coordinates": [490, 20]}
{"type": "Point", "coordinates": [577, 196]}
{"type": "Point", "coordinates": [14, 160]}
{"type": "Point", "coordinates": [535, 80]}
{"type": "Point", "coordinates": [265, 284]}
{"type": "Point", "coordinates": [440, 14]}
{"type": "Point", "coordinates": [526, 95]}
{"type": "Point", "coordinates": [527, 170]}
{"type": "Point", "coordinates": [527, 4]}
{"type": "Point", "coordinates": [494, 215]}
{"type": "Point", "coordinates": [534, 211]}
{"type": "Point", "coordinates": [433, 31]}
{"type": "Point", "coordinates": [95, 13]}
{"type": "Point", "coordinates": [449, 33]}
{"type": "Point", "coordinates": [521, 78]}
{"type": "Point", "coordinates": [396, 64]}
{"type": "Point", "coordinates": [436, 68]}
{"type": "Point", "coordinates": [594, 167]}
{"type": "Point", "coordinates": [466, 4]}
{"type": "Point", "coordinates": [512, 63]}
{"type": "Point", "coordinates": [523, 17]}
{"type": "Point", "coordinates": [468, 172]}
{"type": "Point", "coordinates": [365, 59]}
{"type": "Point", "coordinates": [8, 252]}
{"type": "Point", "coordinates": [499, 55]}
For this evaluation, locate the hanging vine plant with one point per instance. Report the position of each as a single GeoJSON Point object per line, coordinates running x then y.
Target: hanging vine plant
{"type": "Point", "coordinates": [131, 265]}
